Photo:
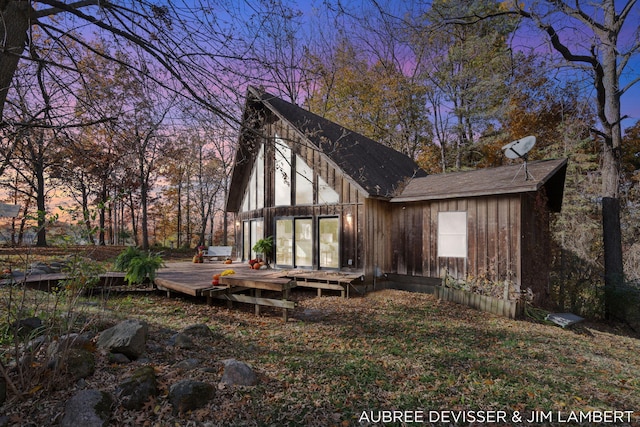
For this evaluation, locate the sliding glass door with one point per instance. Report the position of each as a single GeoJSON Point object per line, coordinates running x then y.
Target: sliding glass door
{"type": "Point", "coordinates": [303, 242]}
{"type": "Point", "coordinates": [329, 242]}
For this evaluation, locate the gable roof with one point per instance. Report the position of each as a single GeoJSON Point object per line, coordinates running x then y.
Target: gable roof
{"type": "Point", "coordinates": [491, 181]}
{"type": "Point", "coordinates": [378, 170]}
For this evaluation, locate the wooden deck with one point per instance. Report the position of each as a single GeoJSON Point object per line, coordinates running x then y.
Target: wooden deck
{"type": "Point", "coordinates": [194, 279]}
{"type": "Point", "coordinates": [334, 281]}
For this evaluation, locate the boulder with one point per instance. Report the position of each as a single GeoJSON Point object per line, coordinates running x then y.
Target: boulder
{"type": "Point", "coordinates": [138, 389]}
{"type": "Point", "coordinates": [187, 395]}
{"type": "Point", "coordinates": [27, 326]}
{"type": "Point", "coordinates": [238, 373]}
{"type": "Point", "coordinates": [183, 341]}
{"type": "Point", "coordinates": [40, 267]}
{"type": "Point", "coordinates": [88, 408]}
{"type": "Point", "coordinates": [118, 359]}
{"type": "Point", "coordinates": [70, 341]}
{"type": "Point", "coordinates": [187, 364]}
{"type": "Point", "coordinates": [128, 337]}
{"type": "Point", "coordinates": [199, 330]}
{"type": "Point", "coordinates": [79, 362]}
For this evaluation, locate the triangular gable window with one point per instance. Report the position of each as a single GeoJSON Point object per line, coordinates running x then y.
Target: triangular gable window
{"type": "Point", "coordinates": [304, 182]}
{"type": "Point", "coordinates": [282, 174]}
{"type": "Point", "coordinates": [326, 194]}
{"type": "Point", "coordinates": [254, 193]}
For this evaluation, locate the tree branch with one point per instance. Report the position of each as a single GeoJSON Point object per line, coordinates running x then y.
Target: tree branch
{"type": "Point", "coordinates": [55, 9]}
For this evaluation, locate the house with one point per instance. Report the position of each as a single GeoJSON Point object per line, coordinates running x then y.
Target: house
{"type": "Point", "coordinates": [335, 200]}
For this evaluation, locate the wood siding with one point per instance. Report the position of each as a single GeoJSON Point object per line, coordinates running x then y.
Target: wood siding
{"type": "Point", "coordinates": [493, 238]}
{"type": "Point", "coordinates": [536, 246]}
{"type": "Point", "coordinates": [350, 209]}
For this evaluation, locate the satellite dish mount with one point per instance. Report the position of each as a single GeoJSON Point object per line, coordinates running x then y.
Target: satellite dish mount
{"type": "Point", "coordinates": [519, 149]}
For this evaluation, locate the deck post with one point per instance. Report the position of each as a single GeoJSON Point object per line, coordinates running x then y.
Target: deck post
{"type": "Point", "coordinates": [285, 296]}
{"type": "Point", "coordinates": [229, 301]}
{"type": "Point", "coordinates": [257, 293]}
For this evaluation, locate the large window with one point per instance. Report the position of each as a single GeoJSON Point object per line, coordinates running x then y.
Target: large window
{"type": "Point", "coordinates": [282, 174]}
{"type": "Point", "coordinates": [252, 231]}
{"type": "Point", "coordinates": [259, 182]}
{"type": "Point", "coordinates": [284, 241]}
{"type": "Point", "coordinates": [298, 243]}
{"type": "Point", "coordinates": [303, 242]}
{"type": "Point", "coordinates": [326, 194]}
{"type": "Point", "coordinates": [304, 182]}
{"type": "Point", "coordinates": [254, 194]}
{"type": "Point", "coordinates": [329, 242]}
{"type": "Point", "coordinates": [452, 234]}
{"type": "Point", "coordinates": [246, 240]}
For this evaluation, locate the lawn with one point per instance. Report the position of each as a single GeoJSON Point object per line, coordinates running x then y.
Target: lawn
{"type": "Point", "coordinates": [345, 361]}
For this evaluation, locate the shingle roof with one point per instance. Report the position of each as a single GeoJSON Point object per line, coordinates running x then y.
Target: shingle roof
{"type": "Point", "coordinates": [383, 172]}
{"type": "Point", "coordinates": [379, 170]}
{"type": "Point", "coordinates": [491, 181]}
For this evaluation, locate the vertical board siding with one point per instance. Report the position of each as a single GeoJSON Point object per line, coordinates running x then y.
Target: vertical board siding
{"type": "Point", "coordinates": [350, 199]}
{"type": "Point", "coordinates": [377, 237]}
{"type": "Point", "coordinates": [493, 230]}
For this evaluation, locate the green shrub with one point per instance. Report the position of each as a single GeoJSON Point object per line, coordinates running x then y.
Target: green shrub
{"type": "Point", "coordinates": [138, 265]}
{"type": "Point", "coordinates": [124, 258]}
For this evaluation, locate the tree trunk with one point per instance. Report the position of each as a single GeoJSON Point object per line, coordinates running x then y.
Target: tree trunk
{"type": "Point", "coordinates": [86, 216]}
{"type": "Point", "coordinates": [134, 220]}
{"type": "Point", "coordinates": [609, 99]}
{"type": "Point", "coordinates": [104, 195]}
{"type": "Point", "coordinates": [41, 208]}
{"type": "Point", "coordinates": [144, 220]}
{"type": "Point", "coordinates": [15, 20]}
{"type": "Point", "coordinates": [179, 216]}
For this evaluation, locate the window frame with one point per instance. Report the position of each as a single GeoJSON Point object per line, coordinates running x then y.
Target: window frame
{"type": "Point", "coordinates": [453, 234]}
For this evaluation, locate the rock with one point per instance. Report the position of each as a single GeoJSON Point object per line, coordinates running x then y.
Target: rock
{"type": "Point", "coordinates": [79, 362]}
{"type": "Point", "coordinates": [70, 341]}
{"type": "Point", "coordinates": [187, 395]}
{"type": "Point", "coordinates": [183, 341]}
{"type": "Point", "coordinates": [187, 364]}
{"type": "Point", "coordinates": [35, 344]}
{"type": "Point", "coordinates": [119, 358]}
{"type": "Point", "coordinates": [40, 266]}
{"type": "Point", "coordinates": [238, 373]}
{"type": "Point", "coordinates": [199, 330]}
{"type": "Point", "coordinates": [88, 408]}
{"type": "Point", "coordinates": [26, 327]}
{"type": "Point", "coordinates": [128, 337]}
{"type": "Point", "coordinates": [138, 389]}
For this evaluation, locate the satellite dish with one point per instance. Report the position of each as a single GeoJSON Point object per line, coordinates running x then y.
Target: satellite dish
{"type": "Point", "coordinates": [518, 149]}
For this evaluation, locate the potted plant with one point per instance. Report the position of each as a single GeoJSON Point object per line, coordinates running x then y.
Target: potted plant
{"type": "Point", "coordinates": [264, 247]}
{"type": "Point", "coordinates": [138, 266]}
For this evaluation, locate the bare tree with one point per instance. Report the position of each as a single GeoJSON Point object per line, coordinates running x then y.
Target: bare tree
{"type": "Point", "coordinates": [605, 56]}
{"type": "Point", "coordinates": [186, 39]}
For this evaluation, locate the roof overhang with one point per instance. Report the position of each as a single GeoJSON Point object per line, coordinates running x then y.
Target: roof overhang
{"type": "Point", "coordinates": [511, 179]}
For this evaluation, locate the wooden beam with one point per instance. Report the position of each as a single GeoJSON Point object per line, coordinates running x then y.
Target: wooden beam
{"type": "Point", "coordinates": [286, 304]}
{"type": "Point", "coordinates": [170, 285]}
{"type": "Point", "coordinates": [268, 284]}
{"type": "Point", "coordinates": [319, 285]}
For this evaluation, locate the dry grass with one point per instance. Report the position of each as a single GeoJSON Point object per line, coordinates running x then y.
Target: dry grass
{"type": "Point", "coordinates": [389, 350]}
